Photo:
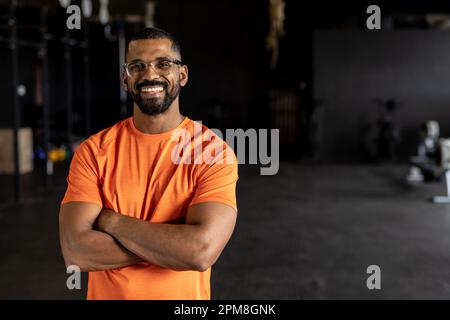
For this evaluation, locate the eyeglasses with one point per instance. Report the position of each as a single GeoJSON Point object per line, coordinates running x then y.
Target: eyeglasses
{"type": "Point", "coordinates": [161, 66]}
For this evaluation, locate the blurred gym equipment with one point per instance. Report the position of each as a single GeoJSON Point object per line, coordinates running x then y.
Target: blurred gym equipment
{"type": "Point", "coordinates": [444, 147]}
{"type": "Point", "coordinates": [432, 162]}
{"type": "Point", "coordinates": [14, 44]}
{"type": "Point", "coordinates": [425, 165]}
{"type": "Point", "coordinates": [54, 132]}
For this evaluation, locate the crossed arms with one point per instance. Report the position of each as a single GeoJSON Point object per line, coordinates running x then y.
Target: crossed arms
{"type": "Point", "coordinates": [95, 238]}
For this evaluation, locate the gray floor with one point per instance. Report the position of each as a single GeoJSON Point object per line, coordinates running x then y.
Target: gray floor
{"type": "Point", "coordinates": [309, 232]}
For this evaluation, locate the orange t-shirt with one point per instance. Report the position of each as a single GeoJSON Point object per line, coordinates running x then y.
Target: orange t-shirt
{"type": "Point", "coordinates": [152, 177]}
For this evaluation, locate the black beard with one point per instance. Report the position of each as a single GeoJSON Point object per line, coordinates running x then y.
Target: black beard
{"type": "Point", "coordinates": [152, 107]}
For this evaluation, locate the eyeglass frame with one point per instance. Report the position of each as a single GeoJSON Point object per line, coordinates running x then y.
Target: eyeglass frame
{"type": "Point", "coordinates": [174, 61]}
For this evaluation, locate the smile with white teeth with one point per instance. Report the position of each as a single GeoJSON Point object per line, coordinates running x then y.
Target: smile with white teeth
{"type": "Point", "coordinates": [152, 89]}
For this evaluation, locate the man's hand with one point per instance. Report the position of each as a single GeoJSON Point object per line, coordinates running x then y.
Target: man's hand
{"type": "Point", "coordinates": [194, 245]}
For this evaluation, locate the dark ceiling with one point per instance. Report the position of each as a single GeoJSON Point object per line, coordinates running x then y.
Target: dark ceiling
{"type": "Point", "coordinates": [325, 6]}
{"type": "Point", "coordinates": [115, 6]}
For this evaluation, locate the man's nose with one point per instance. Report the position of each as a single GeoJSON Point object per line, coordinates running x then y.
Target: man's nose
{"type": "Point", "coordinates": [151, 72]}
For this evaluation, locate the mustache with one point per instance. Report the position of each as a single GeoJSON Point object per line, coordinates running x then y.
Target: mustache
{"type": "Point", "coordinates": [145, 83]}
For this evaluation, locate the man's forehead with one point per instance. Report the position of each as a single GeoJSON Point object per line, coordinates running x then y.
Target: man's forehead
{"type": "Point", "coordinates": [150, 48]}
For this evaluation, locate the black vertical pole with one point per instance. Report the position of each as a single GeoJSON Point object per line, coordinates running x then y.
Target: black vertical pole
{"type": "Point", "coordinates": [68, 71]}
{"type": "Point", "coordinates": [87, 80]}
{"type": "Point", "coordinates": [45, 85]}
{"type": "Point", "coordinates": [122, 44]}
{"type": "Point", "coordinates": [16, 101]}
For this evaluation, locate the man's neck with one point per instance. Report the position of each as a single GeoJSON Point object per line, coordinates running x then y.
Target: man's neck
{"type": "Point", "coordinates": [158, 123]}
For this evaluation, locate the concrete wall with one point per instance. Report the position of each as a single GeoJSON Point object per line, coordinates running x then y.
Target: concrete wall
{"type": "Point", "coordinates": [351, 68]}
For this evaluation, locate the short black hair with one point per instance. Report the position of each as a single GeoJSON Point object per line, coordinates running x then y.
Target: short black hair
{"type": "Point", "coordinates": [155, 33]}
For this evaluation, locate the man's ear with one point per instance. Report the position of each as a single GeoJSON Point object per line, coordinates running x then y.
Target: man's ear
{"type": "Point", "coordinates": [124, 81]}
{"type": "Point", "coordinates": [184, 75]}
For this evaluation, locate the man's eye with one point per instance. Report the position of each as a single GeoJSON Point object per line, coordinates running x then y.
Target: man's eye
{"type": "Point", "coordinates": [163, 64]}
{"type": "Point", "coordinates": [137, 67]}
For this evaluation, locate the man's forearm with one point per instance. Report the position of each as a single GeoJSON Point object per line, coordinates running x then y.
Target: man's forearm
{"type": "Point", "coordinates": [174, 246]}
{"type": "Point", "coordinates": [96, 250]}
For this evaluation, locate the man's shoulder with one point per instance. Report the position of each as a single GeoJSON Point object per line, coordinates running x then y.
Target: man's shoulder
{"type": "Point", "coordinates": [103, 138]}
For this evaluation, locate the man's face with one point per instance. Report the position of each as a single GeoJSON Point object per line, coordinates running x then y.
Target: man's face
{"type": "Point", "coordinates": [154, 88]}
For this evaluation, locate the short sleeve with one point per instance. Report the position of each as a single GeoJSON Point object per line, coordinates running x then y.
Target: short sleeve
{"type": "Point", "coordinates": [83, 181]}
{"type": "Point", "coordinates": [217, 183]}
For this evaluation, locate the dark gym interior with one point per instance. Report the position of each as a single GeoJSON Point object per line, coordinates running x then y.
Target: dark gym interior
{"type": "Point", "coordinates": [364, 124]}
